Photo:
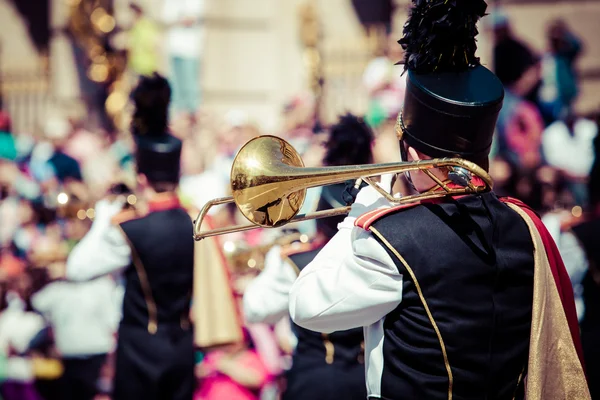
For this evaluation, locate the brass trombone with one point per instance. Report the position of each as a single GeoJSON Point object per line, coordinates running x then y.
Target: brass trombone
{"type": "Point", "coordinates": [269, 182]}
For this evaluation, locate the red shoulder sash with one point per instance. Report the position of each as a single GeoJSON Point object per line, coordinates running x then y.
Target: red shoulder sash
{"type": "Point", "coordinates": [366, 220]}
{"type": "Point", "coordinates": [559, 272]}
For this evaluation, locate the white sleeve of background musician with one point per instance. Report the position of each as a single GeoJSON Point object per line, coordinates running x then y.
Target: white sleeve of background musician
{"type": "Point", "coordinates": [104, 250]}
{"type": "Point", "coordinates": [352, 282]}
{"type": "Point", "coordinates": [266, 297]}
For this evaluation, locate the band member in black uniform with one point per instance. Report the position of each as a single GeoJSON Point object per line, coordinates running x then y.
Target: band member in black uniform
{"type": "Point", "coordinates": [585, 254]}
{"type": "Point", "coordinates": [324, 366]}
{"type": "Point", "coordinates": [448, 291]}
{"type": "Point", "coordinates": [154, 251]}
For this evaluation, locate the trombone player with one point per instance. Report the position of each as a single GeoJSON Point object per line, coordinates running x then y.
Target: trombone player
{"type": "Point", "coordinates": [459, 297]}
{"type": "Point", "coordinates": [323, 366]}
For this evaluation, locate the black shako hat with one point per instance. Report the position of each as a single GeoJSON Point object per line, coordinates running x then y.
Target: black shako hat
{"type": "Point", "coordinates": [452, 102]}
{"type": "Point", "coordinates": [159, 158]}
{"type": "Point", "coordinates": [158, 154]}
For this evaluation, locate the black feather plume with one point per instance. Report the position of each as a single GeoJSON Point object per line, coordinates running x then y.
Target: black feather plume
{"type": "Point", "coordinates": [440, 35]}
{"type": "Point", "coordinates": [151, 98]}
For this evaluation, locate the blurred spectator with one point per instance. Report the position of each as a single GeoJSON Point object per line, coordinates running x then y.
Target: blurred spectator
{"type": "Point", "coordinates": [576, 236]}
{"type": "Point", "coordinates": [299, 118]}
{"type": "Point", "coordinates": [143, 43]}
{"type": "Point", "coordinates": [8, 148]}
{"type": "Point", "coordinates": [568, 147]}
{"type": "Point", "coordinates": [184, 47]}
{"type": "Point", "coordinates": [233, 372]}
{"type": "Point", "coordinates": [18, 326]}
{"type": "Point", "coordinates": [5, 122]}
{"type": "Point", "coordinates": [385, 84]}
{"type": "Point", "coordinates": [58, 130]}
{"type": "Point", "coordinates": [81, 144]}
{"type": "Point", "coordinates": [520, 127]}
{"type": "Point", "coordinates": [29, 229]}
{"type": "Point", "coordinates": [84, 317]}
{"type": "Point", "coordinates": [560, 86]}
{"type": "Point", "coordinates": [512, 58]}
{"type": "Point", "coordinates": [520, 124]}
{"type": "Point", "coordinates": [504, 175]}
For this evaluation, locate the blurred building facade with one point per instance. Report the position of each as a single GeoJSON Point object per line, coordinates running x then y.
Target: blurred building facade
{"type": "Point", "coordinates": [255, 57]}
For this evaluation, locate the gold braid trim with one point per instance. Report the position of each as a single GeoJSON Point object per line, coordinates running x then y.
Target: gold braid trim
{"type": "Point", "coordinates": [145, 284]}
{"type": "Point", "coordinates": [420, 293]}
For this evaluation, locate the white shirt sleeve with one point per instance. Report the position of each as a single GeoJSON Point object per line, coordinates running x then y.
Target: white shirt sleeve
{"type": "Point", "coordinates": [43, 301]}
{"type": "Point", "coordinates": [352, 282]}
{"type": "Point", "coordinates": [569, 247]}
{"type": "Point", "coordinates": [104, 250]}
{"type": "Point", "coordinates": [266, 297]}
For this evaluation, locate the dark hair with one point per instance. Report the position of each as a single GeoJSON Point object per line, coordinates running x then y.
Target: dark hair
{"type": "Point", "coordinates": [349, 142]}
{"type": "Point", "coordinates": [163, 187]}
{"type": "Point", "coordinates": [151, 98]}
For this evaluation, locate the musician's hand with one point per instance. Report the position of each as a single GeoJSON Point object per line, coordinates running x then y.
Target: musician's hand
{"type": "Point", "coordinates": [106, 209]}
{"type": "Point", "coordinates": [368, 199]}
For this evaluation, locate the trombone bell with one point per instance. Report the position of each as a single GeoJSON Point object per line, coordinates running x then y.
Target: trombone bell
{"type": "Point", "coordinates": [260, 185]}
{"type": "Point", "coordinates": [269, 182]}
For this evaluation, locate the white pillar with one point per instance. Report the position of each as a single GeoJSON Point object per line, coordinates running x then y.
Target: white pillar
{"type": "Point", "coordinates": [63, 71]}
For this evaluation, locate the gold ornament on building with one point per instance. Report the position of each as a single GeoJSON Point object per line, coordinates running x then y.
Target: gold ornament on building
{"type": "Point", "coordinates": [310, 35]}
{"type": "Point", "coordinates": [91, 23]}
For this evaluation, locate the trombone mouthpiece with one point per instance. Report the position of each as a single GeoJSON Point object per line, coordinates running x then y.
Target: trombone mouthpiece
{"type": "Point", "coordinates": [460, 176]}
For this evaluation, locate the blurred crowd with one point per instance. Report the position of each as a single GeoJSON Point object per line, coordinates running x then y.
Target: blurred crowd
{"type": "Point", "coordinates": [51, 179]}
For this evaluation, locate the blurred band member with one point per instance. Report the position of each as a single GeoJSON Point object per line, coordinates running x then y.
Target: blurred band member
{"type": "Point", "coordinates": [460, 297]}
{"type": "Point", "coordinates": [154, 251]}
{"type": "Point", "coordinates": [577, 240]}
{"type": "Point", "coordinates": [84, 319]}
{"type": "Point", "coordinates": [323, 366]}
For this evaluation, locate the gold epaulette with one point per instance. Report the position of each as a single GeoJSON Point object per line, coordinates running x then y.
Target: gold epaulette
{"type": "Point", "coordinates": [125, 216]}
{"type": "Point", "coordinates": [367, 219]}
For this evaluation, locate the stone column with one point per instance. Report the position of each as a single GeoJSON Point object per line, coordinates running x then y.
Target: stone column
{"type": "Point", "coordinates": [63, 71]}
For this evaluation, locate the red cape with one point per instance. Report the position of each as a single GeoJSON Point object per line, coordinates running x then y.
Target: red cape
{"type": "Point", "coordinates": [559, 272]}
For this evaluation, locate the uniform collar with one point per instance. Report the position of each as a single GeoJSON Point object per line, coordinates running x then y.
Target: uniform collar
{"type": "Point", "coordinates": [477, 181]}
{"type": "Point", "coordinates": [164, 201]}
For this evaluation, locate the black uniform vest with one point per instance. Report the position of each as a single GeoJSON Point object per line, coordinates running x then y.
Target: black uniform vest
{"type": "Point", "coordinates": [587, 233]}
{"type": "Point", "coordinates": [344, 347]}
{"type": "Point", "coordinates": [159, 280]}
{"type": "Point", "coordinates": [467, 267]}
{"type": "Point", "coordinates": [324, 366]}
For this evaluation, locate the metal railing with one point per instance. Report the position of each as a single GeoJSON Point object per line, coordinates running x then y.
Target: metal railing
{"type": "Point", "coordinates": [25, 94]}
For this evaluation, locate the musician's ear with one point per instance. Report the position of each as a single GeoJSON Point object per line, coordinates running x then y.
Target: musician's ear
{"type": "Point", "coordinates": [416, 155]}
{"type": "Point", "coordinates": [413, 154]}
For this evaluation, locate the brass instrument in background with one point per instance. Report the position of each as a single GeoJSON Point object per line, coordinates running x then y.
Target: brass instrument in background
{"type": "Point", "coordinates": [269, 182]}
{"type": "Point", "coordinates": [72, 203]}
{"type": "Point", "coordinates": [93, 24]}
{"type": "Point", "coordinates": [243, 258]}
